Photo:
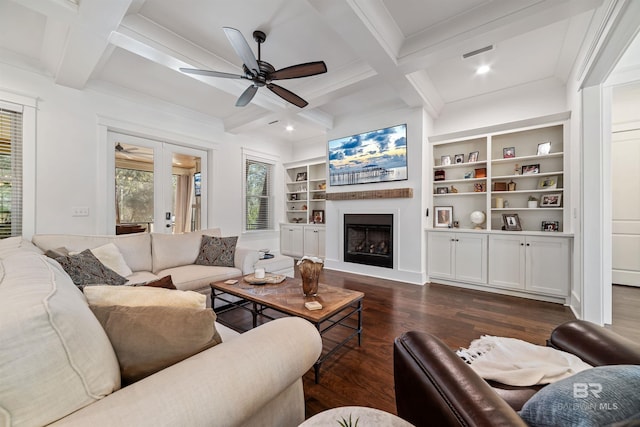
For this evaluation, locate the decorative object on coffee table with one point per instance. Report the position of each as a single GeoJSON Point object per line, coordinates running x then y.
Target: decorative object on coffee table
{"type": "Point", "coordinates": [310, 268]}
{"type": "Point", "coordinates": [267, 279]}
{"type": "Point", "coordinates": [353, 416]}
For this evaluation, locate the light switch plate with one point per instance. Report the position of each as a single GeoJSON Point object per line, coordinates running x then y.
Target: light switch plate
{"type": "Point", "coordinates": [80, 211]}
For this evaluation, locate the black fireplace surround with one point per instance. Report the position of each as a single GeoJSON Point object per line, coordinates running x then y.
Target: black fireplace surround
{"type": "Point", "coordinates": [368, 239]}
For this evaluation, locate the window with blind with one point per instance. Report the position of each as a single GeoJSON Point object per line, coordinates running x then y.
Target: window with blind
{"type": "Point", "coordinates": [258, 204]}
{"type": "Point", "coordinates": [10, 172]}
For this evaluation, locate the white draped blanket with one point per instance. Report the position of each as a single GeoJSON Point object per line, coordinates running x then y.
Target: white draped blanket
{"type": "Point", "coordinates": [519, 363]}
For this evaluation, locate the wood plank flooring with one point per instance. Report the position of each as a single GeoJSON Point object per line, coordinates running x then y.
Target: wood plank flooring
{"type": "Point", "coordinates": [363, 376]}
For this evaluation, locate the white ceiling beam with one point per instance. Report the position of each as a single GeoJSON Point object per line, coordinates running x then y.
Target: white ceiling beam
{"type": "Point", "coordinates": [88, 40]}
{"type": "Point", "coordinates": [53, 44]}
{"type": "Point", "coordinates": [60, 10]}
{"type": "Point", "coordinates": [432, 101]}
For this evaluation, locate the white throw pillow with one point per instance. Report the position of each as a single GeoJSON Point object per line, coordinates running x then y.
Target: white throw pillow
{"type": "Point", "coordinates": [138, 296]}
{"type": "Point", "coordinates": [111, 256]}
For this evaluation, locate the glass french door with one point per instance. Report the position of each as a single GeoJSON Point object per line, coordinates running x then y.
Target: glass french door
{"type": "Point", "coordinates": [158, 187]}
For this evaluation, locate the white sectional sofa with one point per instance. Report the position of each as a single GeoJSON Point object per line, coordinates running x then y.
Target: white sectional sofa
{"type": "Point", "coordinates": [151, 256]}
{"type": "Point", "coordinates": [57, 365]}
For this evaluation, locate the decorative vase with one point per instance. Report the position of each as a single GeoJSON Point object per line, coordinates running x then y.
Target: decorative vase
{"type": "Point", "coordinates": [532, 204]}
{"type": "Point", "coordinates": [310, 268]}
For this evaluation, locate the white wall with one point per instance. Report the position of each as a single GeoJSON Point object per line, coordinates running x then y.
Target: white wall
{"type": "Point", "coordinates": [70, 162]}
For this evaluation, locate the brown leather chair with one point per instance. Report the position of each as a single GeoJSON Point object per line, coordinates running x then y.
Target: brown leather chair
{"type": "Point", "coordinates": [434, 387]}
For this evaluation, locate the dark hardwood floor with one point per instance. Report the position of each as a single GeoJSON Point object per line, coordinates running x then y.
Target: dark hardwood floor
{"type": "Point", "coordinates": [363, 376]}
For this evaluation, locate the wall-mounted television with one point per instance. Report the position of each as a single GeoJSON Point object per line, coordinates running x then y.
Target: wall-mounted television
{"type": "Point", "coordinates": [197, 184]}
{"type": "Point", "coordinates": [376, 156]}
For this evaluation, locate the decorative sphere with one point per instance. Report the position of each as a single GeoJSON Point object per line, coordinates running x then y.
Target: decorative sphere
{"type": "Point", "coordinates": [477, 217]}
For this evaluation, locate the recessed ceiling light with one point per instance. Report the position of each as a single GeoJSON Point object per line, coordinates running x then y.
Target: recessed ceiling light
{"type": "Point", "coordinates": [289, 128]}
{"type": "Point", "coordinates": [483, 69]}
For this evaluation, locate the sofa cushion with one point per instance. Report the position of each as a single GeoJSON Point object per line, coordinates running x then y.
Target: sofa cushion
{"type": "Point", "coordinates": [150, 338]}
{"type": "Point", "coordinates": [217, 251]}
{"type": "Point", "coordinates": [59, 358]}
{"type": "Point", "coordinates": [197, 277]}
{"type": "Point", "coordinates": [111, 256]}
{"type": "Point", "coordinates": [138, 296]}
{"type": "Point", "coordinates": [594, 397]}
{"type": "Point", "coordinates": [85, 269]}
{"type": "Point", "coordinates": [13, 245]}
{"type": "Point", "coordinates": [173, 250]}
{"type": "Point", "coordinates": [135, 248]}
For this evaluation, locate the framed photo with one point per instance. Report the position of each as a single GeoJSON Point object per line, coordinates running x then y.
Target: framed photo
{"type": "Point", "coordinates": [438, 175]}
{"type": "Point", "coordinates": [458, 158]}
{"type": "Point", "coordinates": [443, 216]}
{"type": "Point", "coordinates": [508, 152]}
{"type": "Point", "coordinates": [317, 216]}
{"type": "Point", "coordinates": [550, 226]}
{"type": "Point", "coordinates": [301, 176]}
{"type": "Point", "coordinates": [544, 148]}
{"type": "Point", "coordinates": [531, 169]}
{"type": "Point", "coordinates": [551, 200]}
{"type": "Point", "coordinates": [548, 182]}
{"type": "Point", "coordinates": [445, 160]}
{"type": "Point", "coordinates": [473, 156]}
{"type": "Point", "coordinates": [511, 222]}
{"type": "Point", "coordinates": [442, 190]}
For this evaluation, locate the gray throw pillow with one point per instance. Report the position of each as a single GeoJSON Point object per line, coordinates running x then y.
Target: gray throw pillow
{"type": "Point", "coordinates": [594, 397]}
{"type": "Point", "coordinates": [218, 251]}
{"type": "Point", "coordinates": [85, 269]}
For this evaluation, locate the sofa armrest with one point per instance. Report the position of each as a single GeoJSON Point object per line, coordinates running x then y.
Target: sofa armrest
{"type": "Point", "coordinates": [435, 387]}
{"type": "Point", "coordinates": [245, 259]}
{"type": "Point", "coordinates": [224, 385]}
{"type": "Point", "coordinates": [594, 344]}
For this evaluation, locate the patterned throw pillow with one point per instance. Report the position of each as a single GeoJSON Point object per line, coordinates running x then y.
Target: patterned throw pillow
{"type": "Point", "coordinates": [85, 269]}
{"type": "Point", "coordinates": [218, 251]}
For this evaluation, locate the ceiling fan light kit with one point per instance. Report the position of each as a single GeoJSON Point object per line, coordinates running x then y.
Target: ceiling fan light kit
{"type": "Point", "coordinates": [260, 72]}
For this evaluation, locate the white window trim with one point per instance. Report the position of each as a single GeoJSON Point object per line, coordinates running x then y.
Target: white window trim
{"type": "Point", "coordinates": [249, 154]}
{"type": "Point", "coordinates": [28, 106]}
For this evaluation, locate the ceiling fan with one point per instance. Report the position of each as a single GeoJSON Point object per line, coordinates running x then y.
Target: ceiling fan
{"type": "Point", "coordinates": [262, 73]}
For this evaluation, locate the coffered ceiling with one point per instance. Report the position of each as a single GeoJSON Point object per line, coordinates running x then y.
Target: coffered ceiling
{"type": "Point", "coordinates": [380, 54]}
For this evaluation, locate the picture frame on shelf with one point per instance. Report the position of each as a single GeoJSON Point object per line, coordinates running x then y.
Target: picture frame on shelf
{"type": "Point", "coordinates": [548, 182]}
{"type": "Point", "coordinates": [458, 158]}
{"type": "Point", "coordinates": [301, 176]}
{"type": "Point", "coordinates": [530, 169]}
{"type": "Point", "coordinates": [551, 200]}
{"type": "Point", "coordinates": [318, 216]}
{"type": "Point", "coordinates": [550, 226]}
{"type": "Point", "coordinates": [442, 190]}
{"type": "Point", "coordinates": [445, 160]}
{"type": "Point", "coordinates": [293, 197]}
{"type": "Point", "coordinates": [544, 148]}
{"type": "Point", "coordinates": [508, 152]}
{"type": "Point", "coordinates": [473, 156]}
{"type": "Point", "coordinates": [443, 216]}
{"type": "Point", "coordinates": [438, 175]}
{"type": "Point", "coordinates": [511, 222]}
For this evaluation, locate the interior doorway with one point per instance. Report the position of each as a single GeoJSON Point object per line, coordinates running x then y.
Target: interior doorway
{"type": "Point", "coordinates": [158, 187]}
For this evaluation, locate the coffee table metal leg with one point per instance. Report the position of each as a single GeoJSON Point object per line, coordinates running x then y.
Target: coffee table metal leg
{"type": "Point", "coordinates": [360, 323]}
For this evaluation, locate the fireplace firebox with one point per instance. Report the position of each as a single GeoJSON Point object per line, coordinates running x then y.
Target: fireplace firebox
{"type": "Point", "coordinates": [368, 239]}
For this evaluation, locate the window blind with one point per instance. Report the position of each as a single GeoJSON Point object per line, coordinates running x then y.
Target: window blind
{"type": "Point", "coordinates": [10, 172]}
{"type": "Point", "coordinates": [258, 178]}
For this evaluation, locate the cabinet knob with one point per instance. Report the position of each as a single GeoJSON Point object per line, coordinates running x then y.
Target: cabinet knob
{"type": "Point", "coordinates": [453, 240]}
{"type": "Point", "coordinates": [457, 240]}
{"type": "Point", "coordinates": [528, 244]}
{"type": "Point", "coordinates": [521, 244]}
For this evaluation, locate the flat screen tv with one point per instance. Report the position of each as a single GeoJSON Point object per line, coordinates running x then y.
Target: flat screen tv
{"type": "Point", "coordinates": [375, 156]}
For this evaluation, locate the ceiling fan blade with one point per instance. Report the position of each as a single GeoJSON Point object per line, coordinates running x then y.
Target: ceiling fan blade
{"type": "Point", "coordinates": [211, 73]}
{"type": "Point", "coordinates": [242, 49]}
{"type": "Point", "coordinates": [247, 96]}
{"type": "Point", "coordinates": [300, 70]}
{"type": "Point", "coordinates": [287, 95]}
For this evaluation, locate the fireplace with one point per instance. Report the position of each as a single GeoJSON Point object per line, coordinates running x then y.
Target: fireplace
{"type": "Point", "coordinates": [368, 239]}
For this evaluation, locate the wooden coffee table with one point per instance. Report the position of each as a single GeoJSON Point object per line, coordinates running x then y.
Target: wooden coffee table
{"type": "Point", "coordinates": [338, 305]}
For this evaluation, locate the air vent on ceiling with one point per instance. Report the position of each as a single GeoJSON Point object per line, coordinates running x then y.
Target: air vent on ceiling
{"type": "Point", "coordinates": [273, 122]}
{"type": "Point", "coordinates": [477, 51]}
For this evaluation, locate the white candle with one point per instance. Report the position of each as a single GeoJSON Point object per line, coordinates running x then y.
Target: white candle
{"type": "Point", "coordinates": [259, 273]}
{"type": "Point", "coordinates": [499, 202]}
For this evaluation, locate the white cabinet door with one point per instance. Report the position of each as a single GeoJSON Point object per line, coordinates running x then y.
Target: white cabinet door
{"type": "Point", "coordinates": [548, 262]}
{"type": "Point", "coordinates": [314, 241]}
{"type": "Point", "coordinates": [291, 240]}
{"type": "Point", "coordinates": [507, 261]}
{"type": "Point", "coordinates": [441, 255]}
{"type": "Point", "coordinates": [471, 257]}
